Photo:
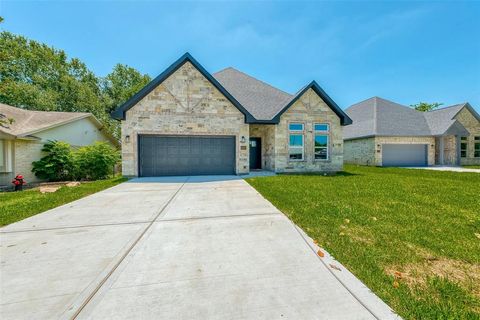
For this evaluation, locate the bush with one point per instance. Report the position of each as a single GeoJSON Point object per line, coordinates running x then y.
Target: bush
{"type": "Point", "coordinates": [58, 164]}
{"type": "Point", "coordinates": [96, 161]}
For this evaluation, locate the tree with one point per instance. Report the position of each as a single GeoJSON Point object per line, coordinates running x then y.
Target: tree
{"type": "Point", "coordinates": [122, 83]}
{"type": "Point", "coordinates": [58, 164]}
{"type": "Point", "coordinates": [96, 161]}
{"type": "Point", "coordinates": [35, 76]}
{"type": "Point", "coordinates": [425, 106]}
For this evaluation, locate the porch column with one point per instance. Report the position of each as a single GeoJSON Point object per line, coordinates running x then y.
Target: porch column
{"type": "Point", "coordinates": [441, 150]}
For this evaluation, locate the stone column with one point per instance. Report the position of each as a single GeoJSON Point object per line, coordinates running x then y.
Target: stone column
{"type": "Point", "coordinates": [441, 150]}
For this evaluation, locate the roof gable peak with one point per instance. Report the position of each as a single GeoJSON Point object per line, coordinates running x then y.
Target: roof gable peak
{"type": "Point", "coordinates": [344, 119]}
{"type": "Point", "coordinates": [120, 112]}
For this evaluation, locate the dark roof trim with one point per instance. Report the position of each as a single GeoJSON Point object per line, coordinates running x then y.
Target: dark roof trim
{"type": "Point", "coordinates": [119, 113]}
{"type": "Point", "coordinates": [344, 119]}
{"type": "Point", "coordinates": [470, 108]}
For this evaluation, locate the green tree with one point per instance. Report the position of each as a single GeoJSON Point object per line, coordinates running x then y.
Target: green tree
{"type": "Point", "coordinates": [425, 106]}
{"type": "Point", "coordinates": [121, 84]}
{"type": "Point", "coordinates": [39, 77]}
{"type": "Point", "coordinates": [58, 164]}
{"type": "Point", "coordinates": [96, 161]}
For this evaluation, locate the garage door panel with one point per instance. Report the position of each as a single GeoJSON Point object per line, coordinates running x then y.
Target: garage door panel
{"type": "Point", "coordinates": [186, 155]}
{"type": "Point", "coordinates": [398, 155]}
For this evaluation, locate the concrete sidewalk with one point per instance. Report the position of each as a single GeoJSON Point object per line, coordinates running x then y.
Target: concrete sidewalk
{"type": "Point", "coordinates": [447, 168]}
{"type": "Point", "coordinates": [173, 248]}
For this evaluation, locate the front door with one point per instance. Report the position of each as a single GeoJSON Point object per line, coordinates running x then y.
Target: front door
{"type": "Point", "coordinates": [255, 153]}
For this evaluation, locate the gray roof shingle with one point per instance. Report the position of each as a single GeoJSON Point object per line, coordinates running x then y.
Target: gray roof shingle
{"type": "Point", "coordinates": [28, 121]}
{"type": "Point", "coordinates": [262, 100]}
{"type": "Point", "coordinates": [381, 117]}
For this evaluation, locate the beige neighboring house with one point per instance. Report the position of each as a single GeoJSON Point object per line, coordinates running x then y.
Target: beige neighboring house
{"type": "Point", "coordinates": [22, 140]}
{"type": "Point", "coordinates": [189, 122]}
{"type": "Point", "coordinates": [385, 133]}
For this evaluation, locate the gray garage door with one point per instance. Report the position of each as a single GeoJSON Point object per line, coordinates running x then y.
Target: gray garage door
{"type": "Point", "coordinates": [398, 155]}
{"type": "Point", "coordinates": [186, 155]}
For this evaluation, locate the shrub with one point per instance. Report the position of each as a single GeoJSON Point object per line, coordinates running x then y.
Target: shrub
{"type": "Point", "coordinates": [58, 164]}
{"type": "Point", "coordinates": [96, 161]}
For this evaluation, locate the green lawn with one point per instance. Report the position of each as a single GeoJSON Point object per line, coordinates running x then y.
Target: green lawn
{"type": "Point", "coordinates": [423, 225]}
{"type": "Point", "coordinates": [472, 167]}
{"type": "Point", "coordinates": [16, 206]}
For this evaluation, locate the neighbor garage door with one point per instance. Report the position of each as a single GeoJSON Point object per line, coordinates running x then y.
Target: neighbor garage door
{"type": "Point", "coordinates": [186, 155]}
{"type": "Point", "coordinates": [404, 155]}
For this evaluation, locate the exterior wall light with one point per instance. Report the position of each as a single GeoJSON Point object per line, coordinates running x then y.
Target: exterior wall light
{"type": "Point", "coordinates": [127, 139]}
{"type": "Point", "coordinates": [242, 140]}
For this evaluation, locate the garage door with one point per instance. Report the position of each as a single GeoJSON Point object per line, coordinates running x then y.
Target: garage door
{"type": "Point", "coordinates": [186, 155]}
{"type": "Point", "coordinates": [398, 155]}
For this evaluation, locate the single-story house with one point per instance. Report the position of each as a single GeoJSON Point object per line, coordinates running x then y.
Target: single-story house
{"type": "Point", "coordinates": [385, 133]}
{"type": "Point", "coordinates": [190, 122]}
{"type": "Point", "coordinates": [22, 140]}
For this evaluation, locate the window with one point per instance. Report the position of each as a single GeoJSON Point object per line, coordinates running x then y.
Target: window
{"type": "Point", "coordinates": [296, 143]}
{"type": "Point", "coordinates": [321, 141]}
{"type": "Point", "coordinates": [476, 152]}
{"type": "Point", "coordinates": [3, 155]}
{"type": "Point", "coordinates": [295, 127]}
{"type": "Point", "coordinates": [463, 147]}
{"type": "Point", "coordinates": [322, 127]}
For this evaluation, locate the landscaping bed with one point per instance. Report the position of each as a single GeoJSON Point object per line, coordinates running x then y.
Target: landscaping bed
{"type": "Point", "coordinates": [16, 206]}
{"type": "Point", "coordinates": [412, 236]}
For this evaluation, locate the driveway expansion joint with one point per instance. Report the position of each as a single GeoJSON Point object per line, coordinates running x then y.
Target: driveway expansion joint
{"type": "Point", "coordinates": [220, 217]}
{"type": "Point", "coordinates": [78, 226]}
{"type": "Point", "coordinates": [126, 253]}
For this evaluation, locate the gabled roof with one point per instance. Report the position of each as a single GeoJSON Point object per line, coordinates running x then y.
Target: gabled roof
{"type": "Point", "coordinates": [344, 118]}
{"type": "Point", "coordinates": [119, 113]}
{"type": "Point", "coordinates": [261, 99]}
{"type": "Point", "coordinates": [257, 100]}
{"type": "Point", "coordinates": [27, 122]}
{"type": "Point", "coordinates": [381, 117]}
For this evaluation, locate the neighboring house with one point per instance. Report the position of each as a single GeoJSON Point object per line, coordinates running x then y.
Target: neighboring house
{"type": "Point", "coordinates": [189, 122]}
{"type": "Point", "coordinates": [385, 133]}
{"type": "Point", "coordinates": [22, 140]}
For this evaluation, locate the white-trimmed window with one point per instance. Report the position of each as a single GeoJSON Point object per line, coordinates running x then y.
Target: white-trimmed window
{"type": "Point", "coordinates": [321, 141]}
{"type": "Point", "coordinates": [296, 145]}
{"type": "Point", "coordinates": [463, 147]}
{"type": "Point", "coordinates": [3, 155]}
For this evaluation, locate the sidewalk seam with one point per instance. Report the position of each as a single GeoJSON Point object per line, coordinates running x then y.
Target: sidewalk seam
{"type": "Point", "coordinates": [127, 252]}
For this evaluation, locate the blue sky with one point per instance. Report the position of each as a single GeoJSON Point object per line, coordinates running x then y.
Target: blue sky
{"type": "Point", "coordinates": [403, 51]}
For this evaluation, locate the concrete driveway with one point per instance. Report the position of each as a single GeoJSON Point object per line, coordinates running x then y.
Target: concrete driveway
{"type": "Point", "coordinates": [173, 248]}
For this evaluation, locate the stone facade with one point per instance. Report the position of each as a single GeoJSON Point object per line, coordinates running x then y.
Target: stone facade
{"type": "Point", "coordinates": [368, 151]}
{"type": "Point", "coordinates": [186, 103]}
{"type": "Point", "coordinates": [360, 151]}
{"type": "Point", "coordinates": [468, 120]}
{"type": "Point", "coordinates": [309, 109]}
{"type": "Point", "coordinates": [449, 150]}
{"type": "Point", "coordinates": [267, 135]}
